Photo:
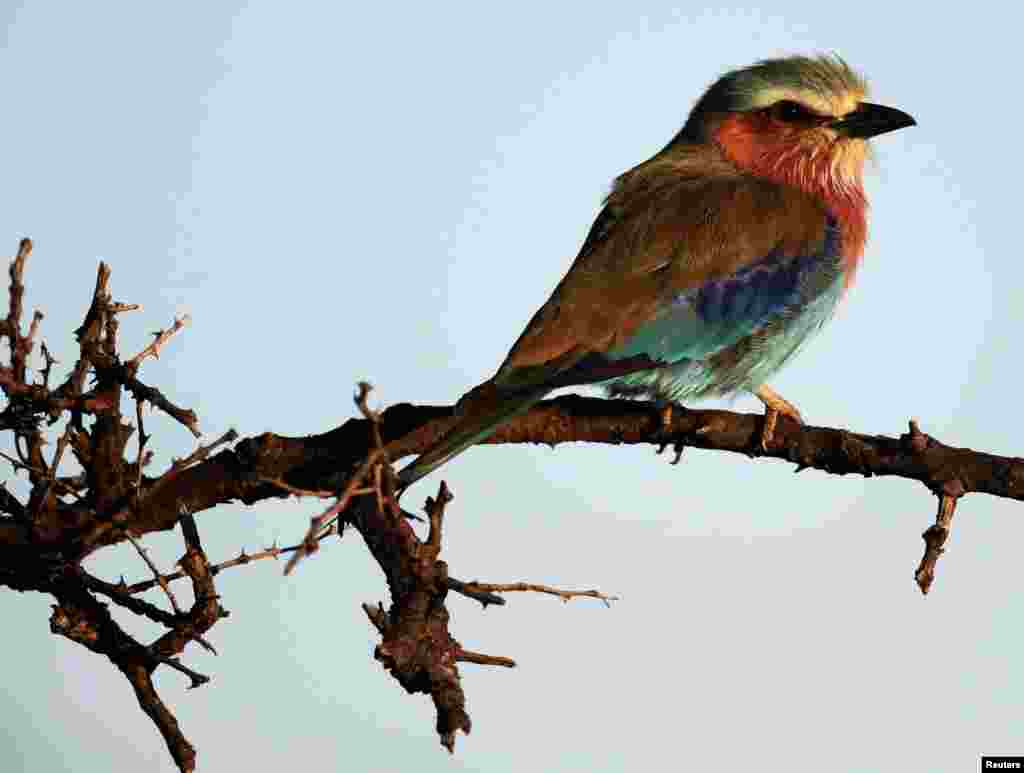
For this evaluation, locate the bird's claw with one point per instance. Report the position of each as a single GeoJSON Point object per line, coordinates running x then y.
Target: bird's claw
{"type": "Point", "coordinates": [774, 404]}
{"type": "Point", "coordinates": [666, 412]}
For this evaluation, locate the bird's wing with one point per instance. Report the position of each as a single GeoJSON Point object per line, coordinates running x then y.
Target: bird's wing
{"type": "Point", "coordinates": [730, 247]}
{"type": "Point", "coordinates": [680, 267]}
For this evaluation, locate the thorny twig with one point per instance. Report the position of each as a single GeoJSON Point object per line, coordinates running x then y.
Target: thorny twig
{"type": "Point", "coordinates": [241, 559]}
{"type": "Point", "coordinates": [160, 579]}
{"type": "Point", "coordinates": [59, 532]}
{"type": "Point", "coordinates": [160, 338]}
{"type": "Point", "coordinates": [322, 524]}
{"type": "Point", "coordinates": [376, 462]}
{"type": "Point", "coordinates": [515, 587]}
{"type": "Point", "coordinates": [202, 453]}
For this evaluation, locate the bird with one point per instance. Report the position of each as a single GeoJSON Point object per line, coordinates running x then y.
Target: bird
{"type": "Point", "coordinates": [711, 262]}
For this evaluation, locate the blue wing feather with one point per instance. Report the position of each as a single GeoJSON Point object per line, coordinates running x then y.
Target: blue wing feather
{"type": "Point", "coordinates": [790, 295]}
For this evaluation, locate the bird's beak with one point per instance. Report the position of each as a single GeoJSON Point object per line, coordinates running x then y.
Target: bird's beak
{"type": "Point", "coordinates": [870, 120]}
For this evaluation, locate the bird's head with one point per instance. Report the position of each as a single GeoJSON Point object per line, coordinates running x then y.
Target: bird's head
{"type": "Point", "coordinates": [799, 120]}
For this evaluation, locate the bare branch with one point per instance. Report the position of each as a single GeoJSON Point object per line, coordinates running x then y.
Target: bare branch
{"type": "Point", "coordinates": [484, 597]}
{"type": "Point", "coordinates": [241, 559]}
{"type": "Point", "coordinates": [206, 610]}
{"type": "Point", "coordinates": [198, 680]}
{"type": "Point", "coordinates": [12, 326]}
{"type": "Point", "coordinates": [321, 524]}
{"type": "Point", "coordinates": [160, 338]}
{"type": "Point", "coordinates": [144, 554]}
{"type": "Point", "coordinates": [468, 656]}
{"type": "Point", "coordinates": [82, 619]}
{"type": "Point", "coordinates": [935, 536]}
{"type": "Point", "coordinates": [120, 594]}
{"type": "Point", "coordinates": [435, 511]}
{"type": "Point", "coordinates": [515, 587]}
{"type": "Point", "coordinates": [142, 392]}
{"type": "Point", "coordinates": [44, 541]}
{"type": "Point", "coordinates": [200, 454]}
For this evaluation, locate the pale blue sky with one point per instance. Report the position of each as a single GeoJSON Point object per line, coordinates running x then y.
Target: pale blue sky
{"type": "Point", "coordinates": [339, 192]}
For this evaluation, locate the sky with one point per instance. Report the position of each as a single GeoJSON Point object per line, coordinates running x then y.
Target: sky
{"type": "Point", "coordinates": [338, 192]}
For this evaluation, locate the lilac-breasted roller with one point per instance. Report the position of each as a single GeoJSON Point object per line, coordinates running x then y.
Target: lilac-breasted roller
{"type": "Point", "coordinates": [711, 262]}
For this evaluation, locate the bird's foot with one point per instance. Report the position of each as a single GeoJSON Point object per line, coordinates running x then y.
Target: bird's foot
{"type": "Point", "coordinates": [774, 404]}
{"type": "Point", "coordinates": [666, 409]}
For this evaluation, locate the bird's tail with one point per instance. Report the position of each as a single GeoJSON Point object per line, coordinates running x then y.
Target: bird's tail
{"type": "Point", "coordinates": [477, 425]}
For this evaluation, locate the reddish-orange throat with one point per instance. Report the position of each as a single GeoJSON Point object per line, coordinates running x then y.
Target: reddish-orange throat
{"type": "Point", "coordinates": [829, 168]}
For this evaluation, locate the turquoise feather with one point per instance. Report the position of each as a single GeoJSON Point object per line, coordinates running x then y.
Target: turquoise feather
{"type": "Point", "coordinates": [754, 320]}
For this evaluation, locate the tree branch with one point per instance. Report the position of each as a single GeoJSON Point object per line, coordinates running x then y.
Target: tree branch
{"type": "Point", "coordinates": [44, 540]}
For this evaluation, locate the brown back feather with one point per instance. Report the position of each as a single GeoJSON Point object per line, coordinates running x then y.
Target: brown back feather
{"type": "Point", "coordinates": [670, 224]}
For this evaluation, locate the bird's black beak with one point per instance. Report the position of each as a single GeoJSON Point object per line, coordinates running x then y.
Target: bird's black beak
{"type": "Point", "coordinates": [870, 120]}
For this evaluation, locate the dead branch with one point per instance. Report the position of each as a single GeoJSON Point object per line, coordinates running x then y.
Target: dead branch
{"type": "Point", "coordinates": [936, 535]}
{"type": "Point", "coordinates": [158, 578]}
{"type": "Point", "coordinates": [44, 539]}
{"type": "Point", "coordinates": [416, 647]}
{"type": "Point", "coordinates": [514, 587]}
{"type": "Point", "coordinates": [160, 338]}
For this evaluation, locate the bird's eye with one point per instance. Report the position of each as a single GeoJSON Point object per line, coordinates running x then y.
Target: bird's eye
{"type": "Point", "coordinates": [789, 111]}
